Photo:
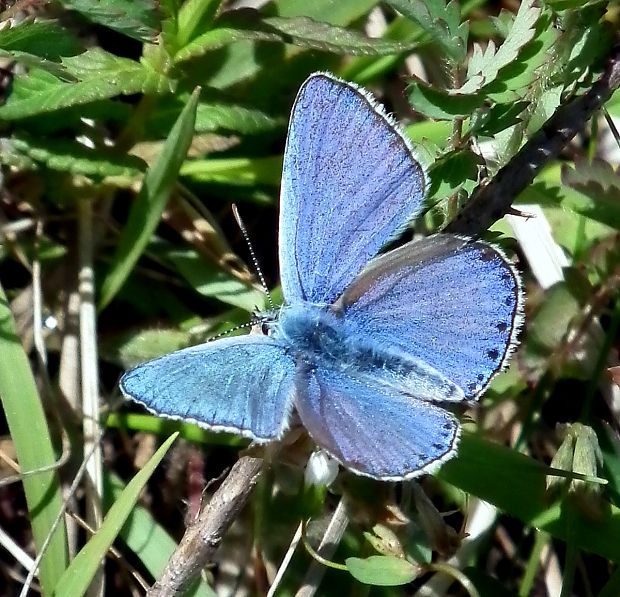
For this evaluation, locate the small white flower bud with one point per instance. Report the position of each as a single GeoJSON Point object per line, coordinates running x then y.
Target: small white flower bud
{"type": "Point", "coordinates": [321, 469]}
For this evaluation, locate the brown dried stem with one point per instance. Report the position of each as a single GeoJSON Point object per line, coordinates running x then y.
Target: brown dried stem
{"type": "Point", "coordinates": [204, 535]}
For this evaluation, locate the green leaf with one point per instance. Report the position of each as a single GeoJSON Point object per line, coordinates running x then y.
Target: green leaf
{"type": "Point", "coordinates": [442, 22]}
{"type": "Point", "coordinates": [70, 156]}
{"type": "Point", "coordinates": [384, 540]}
{"type": "Point", "coordinates": [516, 484]}
{"type": "Point", "coordinates": [599, 181]}
{"type": "Point", "coordinates": [590, 190]}
{"type": "Point", "coordinates": [560, 5]}
{"type": "Point", "coordinates": [369, 68]}
{"type": "Point", "coordinates": [588, 43]}
{"type": "Point", "coordinates": [35, 62]}
{"type": "Point", "coordinates": [452, 172]}
{"type": "Point", "coordinates": [382, 571]}
{"type": "Point", "coordinates": [437, 132]}
{"type": "Point", "coordinates": [447, 104]}
{"type": "Point", "coordinates": [544, 108]}
{"type": "Point", "coordinates": [520, 74]}
{"type": "Point", "coordinates": [138, 19]}
{"type": "Point", "coordinates": [588, 455]}
{"type": "Point", "coordinates": [484, 66]}
{"type": "Point", "coordinates": [236, 171]}
{"type": "Point", "coordinates": [548, 327]}
{"type": "Point", "coordinates": [239, 63]}
{"type": "Point", "coordinates": [78, 576]}
{"type": "Point", "coordinates": [247, 121]}
{"type": "Point", "coordinates": [216, 117]}
{"type": "Point", "coordinates": [195, 15]}
{"type": "Point", "coordinates": [162, 427]}
{"type": "Point", "coordinates": [442, 105]}
{"type": "Point", "coordinates": [489, 122]}
{"type": "Point", "coordinates": [214, 282]}
{"type": "Point", "coordinates": [98, 75]}
{"type": "Point", "coordinates": [33, 445]}
{"type": "Point", "coordinates": [41, 38]}
{"type": "Point", "coordinates": [248, 24]}
{"type": "Point", "coordinates": [136, 348]}
{"type": "Point", "coordinates": [97, 62]}
{"type": "Point", "coordinates": [334, 12]}
{"type": "Point", "coordinates": [146, 211]}
{"type": "Point", "coordinates": [562, 204]}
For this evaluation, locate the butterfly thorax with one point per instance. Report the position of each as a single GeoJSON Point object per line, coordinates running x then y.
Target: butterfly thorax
{"type": "Point", "coordinates": [315, 333]}
{"type": "Point", "coordinates": [321, 337]}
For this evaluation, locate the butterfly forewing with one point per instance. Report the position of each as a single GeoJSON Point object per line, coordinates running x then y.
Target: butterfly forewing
{"type": "Point", "coordinates": [242, 384]}
{"type": "Point", "coordinates": [349, 183]}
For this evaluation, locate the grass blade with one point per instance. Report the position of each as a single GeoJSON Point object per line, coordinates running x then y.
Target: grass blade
{"type": "Point", "coordinates": [146, 212]}
{"type": "Point", "coordinates": [31, 438]}
{"type": "Point", "coordinates": [78, 576]}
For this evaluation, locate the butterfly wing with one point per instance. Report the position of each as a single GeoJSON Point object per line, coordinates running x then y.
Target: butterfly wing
{"type": "Point", "coordinates": [242, 384]}
{"type": "Point", "coordinates": [349, 183]}
{"type": "Point", "coordinates": [371, 430]}
{"type": "Point", "coordinates": [451, 302]}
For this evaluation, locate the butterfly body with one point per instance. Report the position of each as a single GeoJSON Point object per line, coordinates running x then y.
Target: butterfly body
{"type": "Point", "coordinates": [319, 336]}
{"type": "Point", "coordinates": [370, 351]}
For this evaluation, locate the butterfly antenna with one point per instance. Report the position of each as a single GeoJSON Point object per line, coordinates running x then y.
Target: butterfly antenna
{"type": "Point", "coordinates": [247, 324]}
{"type": "Point", "coordinates": [244, 231]}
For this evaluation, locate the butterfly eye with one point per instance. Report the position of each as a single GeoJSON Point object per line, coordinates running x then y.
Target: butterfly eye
{"type": "Point", "coordinates": [265, 324]}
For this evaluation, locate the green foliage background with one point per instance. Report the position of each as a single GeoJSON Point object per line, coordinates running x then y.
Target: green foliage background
{"type": "Point", "coordinates": [129, 128]}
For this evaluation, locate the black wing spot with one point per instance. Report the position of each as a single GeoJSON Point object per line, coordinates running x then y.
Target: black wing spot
{"type": "Point", "coordinates": [493, 354]}
{"type": "Point", "coordinates": [502, 326]}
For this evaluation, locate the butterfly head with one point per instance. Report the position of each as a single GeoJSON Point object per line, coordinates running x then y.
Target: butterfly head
{"type": "Point", "coordinates": [265, 322]}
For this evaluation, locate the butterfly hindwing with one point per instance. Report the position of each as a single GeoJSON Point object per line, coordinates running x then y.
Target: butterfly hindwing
{"type": "Point", "coordinates": [371, 430]}
{"type": "Point", "coordinates": [452, 302]}
{"type": "Point", "coordinates": [242, 384]}
{"type": "Point", "coordinates": [349, 182]}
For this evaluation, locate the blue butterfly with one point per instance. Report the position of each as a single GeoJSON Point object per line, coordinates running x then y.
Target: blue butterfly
{"type": "Point", "coordinates": [368, 350]}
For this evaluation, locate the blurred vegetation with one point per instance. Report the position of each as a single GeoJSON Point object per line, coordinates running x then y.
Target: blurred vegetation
{"type": "Point", "coordinates": [129, 128]}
